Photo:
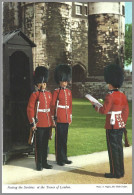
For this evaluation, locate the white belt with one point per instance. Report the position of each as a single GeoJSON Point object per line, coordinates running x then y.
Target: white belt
{"type": "Point", "coordinates": [60, 106]}
{"type": "Point", "coordinates": [112, 119]}
{"type": "Point", "coordinates": [44, 110]}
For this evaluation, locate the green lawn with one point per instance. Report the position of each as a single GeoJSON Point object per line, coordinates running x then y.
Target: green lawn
{"type": "Point", "coordinates": [86, 133]}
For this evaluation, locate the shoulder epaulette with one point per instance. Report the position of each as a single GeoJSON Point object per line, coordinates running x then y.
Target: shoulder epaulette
{"type": "Point", "coordinates": [34, 91]}
{"type": "Point", "coordinates": [49, 91]}
{"type": "Point", "coordinates": [110, 92]}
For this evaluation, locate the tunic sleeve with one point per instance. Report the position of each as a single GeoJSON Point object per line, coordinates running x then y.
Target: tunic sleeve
{"type": "Point", "coordinates": [106, 106]}
{"type": "Point", "coordinates": [53, 104]}
{"type": "Point", "coordinates": [125, 110]}
{"type": "Point", "coordinates": [31, 107]}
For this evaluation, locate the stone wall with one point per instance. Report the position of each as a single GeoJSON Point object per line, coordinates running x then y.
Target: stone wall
{"type": "Point", "coordinates": [32, 19]}
{"type": "Point", "coordinates": [98, 89]}
{"type": "Point", "coordinates": [62, 36]}
{"type": "Point", "coordinates": [80, 41]}
{"type": "Point", "coordinates": [49, 26]}
{"type": "Point", "coordinates": [88, 43]}
{"type": "Point", "coordinates": [11, 19]}
{"type": "Point", "coordinates": [104, 44]}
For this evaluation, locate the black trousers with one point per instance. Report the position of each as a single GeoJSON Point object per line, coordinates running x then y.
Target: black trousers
{"type": "Point", "coordinates": [41, 145]}
{"type": "Point", "coordinates": [61, 135]}
{"type": "Point", "coordinates": [115, 151]}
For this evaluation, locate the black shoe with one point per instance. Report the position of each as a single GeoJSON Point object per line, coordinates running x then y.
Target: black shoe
{"type": "Point", "coordinates": [39, 168]}
{"type": "Point", "coordinates": [61, 163]}
{"type": "Point", "coordinates": [67, 161]}
{"type": "Point", "coordinates": [119, 176]}
{"type": "Point", "coordinates": [109, 175]}
{"type": "Point", "coordinates": [47, 166]}
{"type": "Point", "coordinates": [122, 174]}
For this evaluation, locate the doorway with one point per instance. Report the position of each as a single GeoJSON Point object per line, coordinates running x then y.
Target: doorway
{"type": "Point", "coordinates": [78, 73]}
{"type": "Point", "coordinates": [19, 95]}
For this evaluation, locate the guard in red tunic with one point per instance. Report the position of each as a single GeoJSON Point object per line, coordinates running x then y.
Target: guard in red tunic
{"type": "Point", "coordinates": [116, 110]}
{"type": "Point", "coordinates": [39, 115]}
{"type": "Point", "coordinates": [62, 112]}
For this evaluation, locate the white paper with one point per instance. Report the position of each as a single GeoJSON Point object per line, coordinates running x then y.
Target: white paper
{"type": "Point", "coordinates": [93, 100]}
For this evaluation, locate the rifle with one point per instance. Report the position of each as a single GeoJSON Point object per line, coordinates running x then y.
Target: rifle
{"type": "Point", "coordinates": [35, 120]}
{"type": "Point", "coordinates": [31, 136]}
{"type": "Point", "coordinates": [57, 103]}
{"type": "Point", "coordinates": [55, 118]}
{"type": "Point", "coordinates": [126, 138]}
{"type": "Point", "coordinates": [50, 133]}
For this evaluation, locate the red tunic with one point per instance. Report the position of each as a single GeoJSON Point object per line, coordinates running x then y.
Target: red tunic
{"type": "Point", "coordinates": [44, 112]}
{"type": "Point", "coordinates": [64, 109]}
{"type": "Point", "coordinates": [116, 102]}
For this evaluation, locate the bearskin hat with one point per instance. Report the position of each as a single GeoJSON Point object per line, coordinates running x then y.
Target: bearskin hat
{"type": "Point", "coordinates": [41, 75]}
{"type": "Point", "coordinates": [113, 74]}
{"type": "Point", "coordinates": [63, 73]}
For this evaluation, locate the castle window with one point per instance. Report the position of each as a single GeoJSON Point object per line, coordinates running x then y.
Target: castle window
{"type": "Point", "coordinates": [85, 10]}
{"type": "Point", "coordinates": [10, 5]}
{"type": "Point", "coordinates": [43, 31]}
{"type": "Point", "coordinates": [123, 10]}
{"type": "Point", "coordinates": [78, 9]}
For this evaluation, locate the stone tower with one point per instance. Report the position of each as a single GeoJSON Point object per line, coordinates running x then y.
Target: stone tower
{"type": "Point", "coordinates": [46, 24]}
{"type": "Point", "coordinates": [49, 26]}
{"type": "Point", "coordinates": [105, 35]}
{"type": "Point", "coordinates": [86, 35]}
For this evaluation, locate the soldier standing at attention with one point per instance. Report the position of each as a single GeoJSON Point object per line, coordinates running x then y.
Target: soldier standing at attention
{"type": "Point", "coordinates": [116, 109]}
{"type": "Point", "coordinates": [62, 112]}
{"type": "Point", "coordinates": [40, 102]}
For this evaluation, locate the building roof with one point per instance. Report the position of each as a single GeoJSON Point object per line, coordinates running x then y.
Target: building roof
{"type": "Point", "coordinates": [11, 35]}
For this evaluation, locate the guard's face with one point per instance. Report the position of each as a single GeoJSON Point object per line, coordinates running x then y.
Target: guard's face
{"type": "Point", "coordinates": [63, 83]}
{"type": "Point", "coordinates": [43, 85]}
{"type": "Point", "coordinates": [110, 87]}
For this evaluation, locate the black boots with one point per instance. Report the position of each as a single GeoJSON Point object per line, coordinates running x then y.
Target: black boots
{"type": "Point", "coordinates": [110, 175]}
{"type": "Point", "coordinates": [67, 161]}
{"type": "Point", "coordinates": [40, 167]}
{"type": "Point", "coordinates": [61, 163]}
{"type": "Point", "coordinates": [47, 166]}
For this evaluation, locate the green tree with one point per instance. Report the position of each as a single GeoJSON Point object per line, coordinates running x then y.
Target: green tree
{"type": "Point", "coordinates": [128, 44]}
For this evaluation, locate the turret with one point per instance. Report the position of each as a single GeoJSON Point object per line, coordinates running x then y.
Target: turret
{"type": "Point", "coordinates": [106, 35]}
{"type": "Point", "coordinates": [49, 25]}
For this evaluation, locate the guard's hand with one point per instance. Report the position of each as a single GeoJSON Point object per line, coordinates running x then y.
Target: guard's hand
{"type": "Point", "coordinates": [53, 123]}
{"type": "Point", "coordinates": [50, 137]}
{"type": "Point", "coordinates": [50, 134]}
{"type": "Point", "coordinates": [34, 128]}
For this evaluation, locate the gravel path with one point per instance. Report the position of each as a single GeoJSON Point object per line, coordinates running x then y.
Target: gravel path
{"type": "Point", "coordinates": [92, 174]}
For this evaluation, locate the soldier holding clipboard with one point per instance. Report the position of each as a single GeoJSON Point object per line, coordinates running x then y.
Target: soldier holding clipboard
{"type": "Point", "coordinates": [116, 109]}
